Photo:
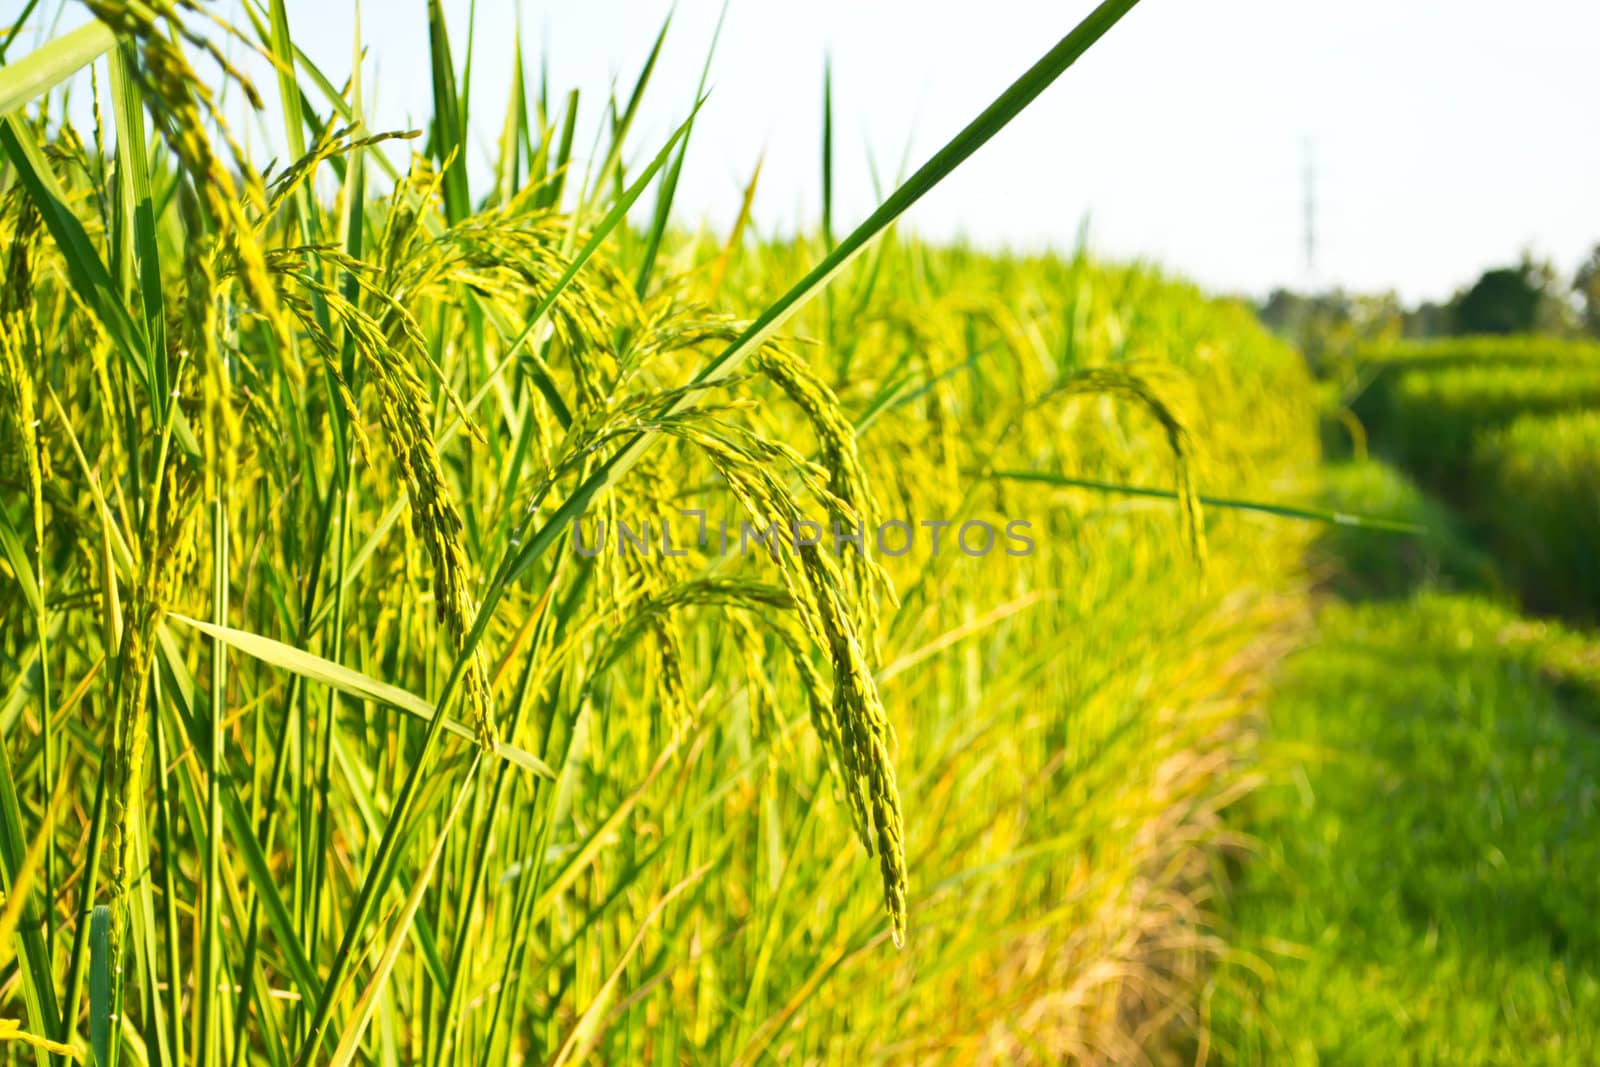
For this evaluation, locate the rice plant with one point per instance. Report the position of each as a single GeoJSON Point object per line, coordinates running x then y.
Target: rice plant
{"type": "Point", "coordinates": [379, 683]}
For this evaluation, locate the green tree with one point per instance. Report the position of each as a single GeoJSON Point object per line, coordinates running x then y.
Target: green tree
{"type": "Point", "coordinates": [1587, 285]}
{"type": "Point", "coordinates": [1504, 300]}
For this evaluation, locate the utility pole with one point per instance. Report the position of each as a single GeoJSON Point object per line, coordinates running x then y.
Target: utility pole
{"type": "Point", "coordinates": [1310, 215]}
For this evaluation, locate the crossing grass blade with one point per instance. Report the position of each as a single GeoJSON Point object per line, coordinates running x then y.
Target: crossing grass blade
{"type": "Point", "coordinates": [316, 669]}
{"type": "Point", "coordinates": [1285, 511]}
{"type": "Point", "coordinates": [53, 63]}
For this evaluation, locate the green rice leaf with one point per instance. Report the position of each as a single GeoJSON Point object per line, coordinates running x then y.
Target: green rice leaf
{"type": "Point", "coordinates": [48, 66]}
{"type": "Point", "coordinates": [1286, 511]}
{"type": "Point", "coordinates": [100, 1022]}
{"type": "Point", "coordinates": [352, 682]}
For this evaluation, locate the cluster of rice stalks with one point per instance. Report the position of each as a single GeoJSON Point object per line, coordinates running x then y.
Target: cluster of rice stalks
{"type": "Point", "coordinates": [452, 626]}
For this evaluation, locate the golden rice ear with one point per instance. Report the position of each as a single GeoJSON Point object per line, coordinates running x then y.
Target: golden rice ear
{"type": "Point", "coordinates": [513, 263]}
{"type": "Point", "coordinates": [852, 498]}
{"type": "Point", "coordinates": [185, 111]}
{"type": "Point", "coordinates": [169, 539]}
{"type": "Point", "coordinates": [849, 501]}
{"type": "Point", "coordinates": [1139, 383]}
{"type": "Point", "coordinates": [855, 725]}
{"type": "Point", "coordinates": [403, 414]}
{"type": "Point", "coordinates": [22, 452]}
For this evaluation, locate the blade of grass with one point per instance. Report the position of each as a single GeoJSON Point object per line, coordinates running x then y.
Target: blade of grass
{"type": "Point", "coordinates": [556, 178]}
{"type": "Point", "coordinates": [1287, 511]}
{"type": "Point", "coordinates": [736, 234]}
{"type": "Point", "coordinates": [827, 154]}
{"type": "Point", "coordinates": [514, 130]}
{"type": "Point", "coordinates": [46, 67]}
{"type": "Point", "coordinates": [101, 1024]}
{"type": "Point", "coordinates": [281, 43]}
{"type": "Point", "coordinates": [16, 27]}
{"type": "Point", "coordinates": [208, 1037]}
{"type": "Point", "coordinates": [316, 669]}
{"type": "Point", "coordinates": [136, 205]}
{"type": "Point", "coordinates": [669, 181]}
{"type": "Point", "coordinates": [447, 141]}
{"type": "Point", "coordinates": [624, 122]}
{"type": "Point", "coordinates": [16, 557]}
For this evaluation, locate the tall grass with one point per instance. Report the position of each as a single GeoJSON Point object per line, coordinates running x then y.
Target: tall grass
{"type": "Point", "coordinates": [326, 741]}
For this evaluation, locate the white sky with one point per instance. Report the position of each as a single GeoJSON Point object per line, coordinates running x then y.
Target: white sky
{"type": "Point", "coordinates": [1448, 135]}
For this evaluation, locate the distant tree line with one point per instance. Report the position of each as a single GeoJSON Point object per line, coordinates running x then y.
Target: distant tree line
{"type": "Point", "coordinates": [1531, 297]}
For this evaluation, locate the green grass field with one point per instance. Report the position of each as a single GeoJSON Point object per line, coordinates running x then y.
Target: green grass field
{"type": "Point", "coordinates": [1424, 875]}
{"type": "Point", "coordinates": [1429, 861]}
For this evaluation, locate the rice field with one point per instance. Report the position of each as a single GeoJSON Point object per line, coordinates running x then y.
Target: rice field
{"type": "Point", "coordinates": [467, 624]}
{"type": "Point", "coordinates": [463, 617]}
